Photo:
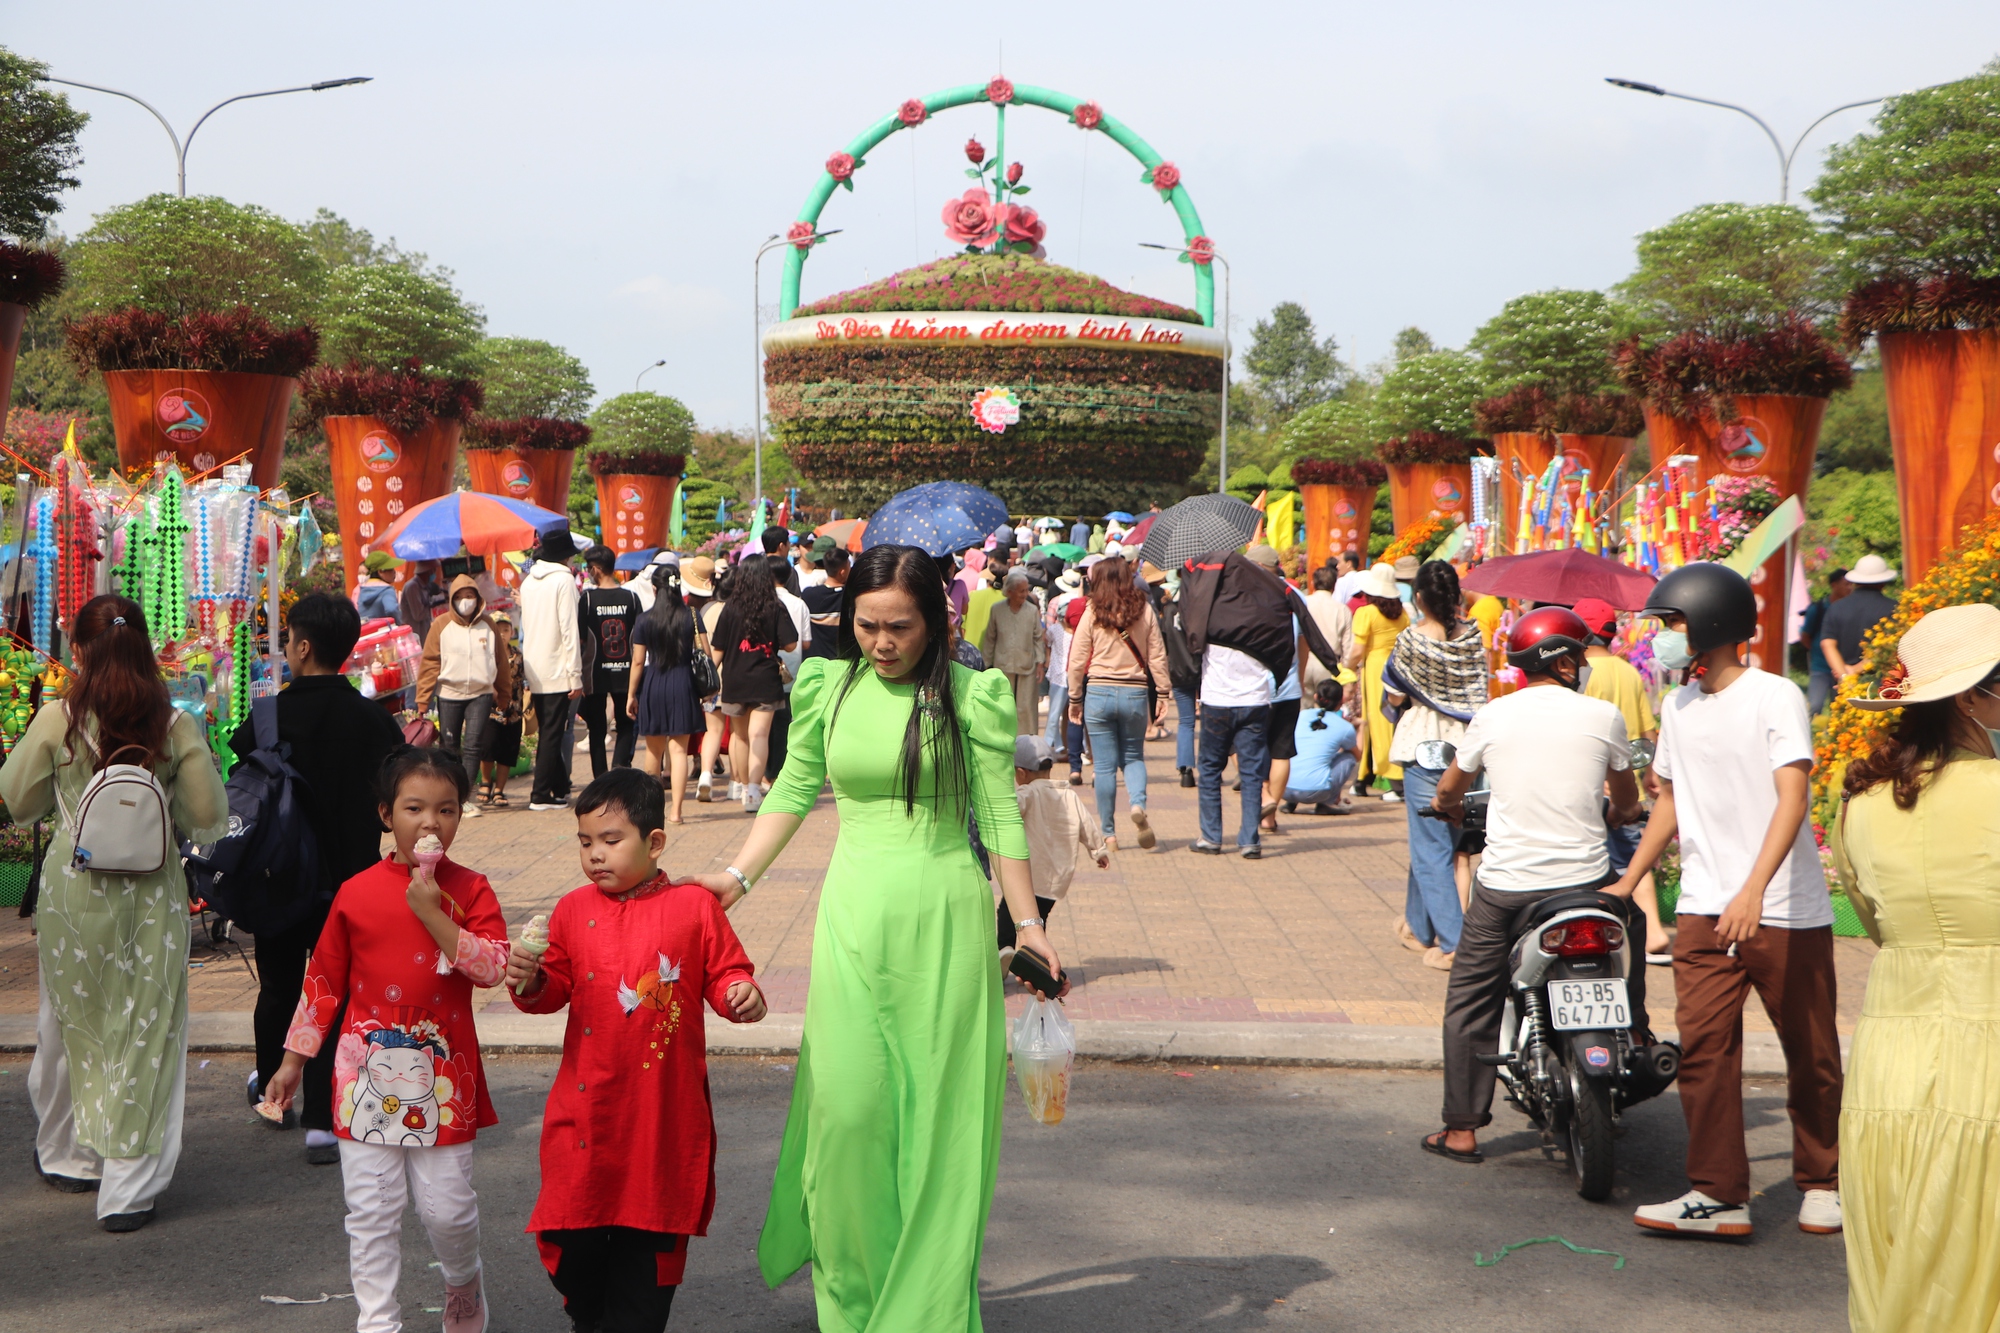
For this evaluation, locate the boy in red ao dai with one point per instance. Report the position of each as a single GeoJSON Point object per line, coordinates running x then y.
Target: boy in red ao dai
{"type": "Point", "coordinates": [628, 1138]}
{"type": "Point", "coordinates": [404, 945]}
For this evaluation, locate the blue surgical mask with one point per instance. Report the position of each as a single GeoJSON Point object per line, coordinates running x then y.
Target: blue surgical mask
{"type": "Point", "coordinates": [1670, 650]}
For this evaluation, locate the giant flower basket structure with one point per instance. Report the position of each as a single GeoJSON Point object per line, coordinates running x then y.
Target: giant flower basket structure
{"type": "Point", "coordinates": [1339, 500]}
{"type": "Point", "coordinates": [1429, 474]}
{"type": "Point", "coordinates": [525, 458]}
{"type": "Point", "coordinates": [1053, 389]}
{"type": "Point", "coordinates": [635, 496]}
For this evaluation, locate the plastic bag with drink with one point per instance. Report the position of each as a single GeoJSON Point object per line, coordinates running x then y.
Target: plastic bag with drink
{"type": "Point", "coordinates": [1044, 1049]}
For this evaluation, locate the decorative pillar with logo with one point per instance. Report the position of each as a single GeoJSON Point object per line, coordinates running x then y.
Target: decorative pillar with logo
{"type": "Point", "coordinates": [1429, 474]}
{"type": "Point", "coordinates": [638, 454]}
{"type": "Point", "coordinates": [1339, 499]}
{"type": "Point", "coordinates": [525, 458]}
{"type": "Point", "coordinates": [393, 439]}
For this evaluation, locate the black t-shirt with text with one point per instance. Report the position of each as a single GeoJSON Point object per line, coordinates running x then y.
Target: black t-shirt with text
{"type": "Point", "coordinates": [609, 614]}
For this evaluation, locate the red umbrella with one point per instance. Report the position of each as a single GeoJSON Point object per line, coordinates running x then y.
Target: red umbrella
{"type": "Point", "coordinates": [1136, 536]}
{"type": "Point", "coordinates": [1565, 577]}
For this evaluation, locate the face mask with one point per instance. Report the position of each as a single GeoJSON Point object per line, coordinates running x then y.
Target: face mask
{"type": "Point", "coordinates": [466, 606]}
{"type": "Point", "coordinates": [1670, 650]}
{"type": "Point", "coordinates": [1992, 736]}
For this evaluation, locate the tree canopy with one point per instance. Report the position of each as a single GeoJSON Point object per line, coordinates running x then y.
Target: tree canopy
{"type": "Point", "coordinates": [1413, 341]}
{"type": "Point", "coordinates": [1560, 340]}
{"type": "Point", "coordinates": [1345, 430]}
{"type": "Point", "coordinates": [180, 256]}
{"type": "Point", "coordinates": [641, 423]}
{"type": "Point", "coordinates": [1431, 391]}
{"type": "Point", "coordinates": [1293, 369]}
{"type": "Point", "coordinates": [383, 314]}
{"type": "Point", "coordinates": [38, 126]}
{"type": "Point", "coordinates": [1730, 270]}
{"type": "Point", "coordinates": [1919, 196]}
{"type": "Point", "coordinates": [526, 377]}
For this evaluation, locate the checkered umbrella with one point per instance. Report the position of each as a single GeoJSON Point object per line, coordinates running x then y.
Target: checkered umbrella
{"type": "Point", "coordinates": [1196, 527]}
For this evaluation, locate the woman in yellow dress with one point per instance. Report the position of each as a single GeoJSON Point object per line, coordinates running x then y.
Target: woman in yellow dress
{"type": "Point", "coordinates": [1376, 626]}
{"type": "Point", "coordinates": [1918, 847]}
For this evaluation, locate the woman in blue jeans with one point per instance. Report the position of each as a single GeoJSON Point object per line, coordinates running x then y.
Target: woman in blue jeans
{"type": "Point", "coordinates": [1437, 675]}
{"type": "Point", "coordinates": [1117, 664]}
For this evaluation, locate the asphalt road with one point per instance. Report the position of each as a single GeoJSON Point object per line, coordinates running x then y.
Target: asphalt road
{"type": "Point", "coordinates": [1210, 1198]}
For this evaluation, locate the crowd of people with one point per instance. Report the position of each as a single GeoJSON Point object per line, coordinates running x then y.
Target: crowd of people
{"type": "Point", "coordinates": [943, 699]}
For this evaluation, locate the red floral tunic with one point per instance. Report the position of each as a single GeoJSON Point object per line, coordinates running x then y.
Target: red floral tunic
{"type": "Point", "coordinates": [628, 1138]}
{"type": "Point", "coordinates": [406, 1071]}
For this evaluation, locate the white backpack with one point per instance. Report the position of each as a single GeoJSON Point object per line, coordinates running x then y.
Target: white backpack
{"type": "Point", "coordinates": [120, 824]}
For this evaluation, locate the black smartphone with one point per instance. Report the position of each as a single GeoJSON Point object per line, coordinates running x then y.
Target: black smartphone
{"type": "Point", "coordinates": [1032, 968]}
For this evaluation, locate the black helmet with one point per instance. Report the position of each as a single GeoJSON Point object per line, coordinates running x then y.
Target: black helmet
{"type": "Point", "coordinates": [1715, 600]}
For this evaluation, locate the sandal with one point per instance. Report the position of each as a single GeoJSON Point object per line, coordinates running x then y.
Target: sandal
{"type": "Point", "coordinates": [499, 801]}
{"type": "Point", "coordinates": [1434, 1143]}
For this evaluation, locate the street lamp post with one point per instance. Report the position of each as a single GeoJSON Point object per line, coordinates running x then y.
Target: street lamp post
{"type": "Point", "coordinates": [181, 146]}
{"type": "Point", "coordinates": [1222, 478]}
{"type": "Point", "coordinates": [1785, 159]}
{"type": "Point", "coordinates": [771, 242]}
{"type": "Point", "coordinates": [647, 371]}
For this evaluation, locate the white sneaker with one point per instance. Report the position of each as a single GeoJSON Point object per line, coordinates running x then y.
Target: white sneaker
{"type": "Point", "coordinates": [470, 810]}
{"type": "Point", "coordinates": [1819, 1213]}
{"type": "Point", "coordinates": [1695, 1214]}
{"type": "Point", "coordinates": [753, 796]}
{"type": "Point", "coordinates": [1391, 796]}
{"type": "Point", "coordinates": [735, 791]}
{"type": "Point", "coordinates": [704, 791]}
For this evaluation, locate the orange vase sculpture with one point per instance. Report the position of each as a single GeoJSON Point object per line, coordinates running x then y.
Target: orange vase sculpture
{"type": "Point", "coordinates": [539, 476]}
{"type": "Point", "coordinates": [12, 318]}
{"type": "Point", "coordinates": [1944, 425]}
{"type": "Point", "coordinates": [1418, 490]}
{"type": "Point", "coordinates": [635, 508]}
{"type": "Point", "coordinates": [1338, 518]}
{"type": "Point", "coordinates": [378, 472]}
{"type": "Point", "coordinates": [1773, 435]}
{"type": "Point", "coordinates": [1531, 451]}
{"type": "Point", "coordinates": [201, 418]}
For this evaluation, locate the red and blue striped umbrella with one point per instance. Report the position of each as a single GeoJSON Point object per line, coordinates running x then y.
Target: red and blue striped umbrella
{"type": "Point", "coordinates": [472, 521]}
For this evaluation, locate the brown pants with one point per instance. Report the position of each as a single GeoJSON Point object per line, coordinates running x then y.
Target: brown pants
{"type": "Point", "coordinates": [1027, 688]}
{"type": "Point", "coordinates": [1792, 971]}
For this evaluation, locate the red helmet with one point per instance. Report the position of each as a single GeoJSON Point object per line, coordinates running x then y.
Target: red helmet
{"type": "Point", "coordinates": [1544, 637]}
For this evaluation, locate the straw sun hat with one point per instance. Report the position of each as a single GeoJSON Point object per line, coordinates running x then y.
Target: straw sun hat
{"type": "Point", "coordinates": [1945, 653]}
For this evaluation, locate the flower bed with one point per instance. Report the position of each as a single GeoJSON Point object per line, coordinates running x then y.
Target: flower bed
{"type": "Point", "coordinates": [1010, 282]}
{"type": "Point", "coordinates": [1420, 538]}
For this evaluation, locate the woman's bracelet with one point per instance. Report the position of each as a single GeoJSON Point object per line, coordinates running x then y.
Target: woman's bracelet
{"type": "Point", "coordinates": [741, 878]}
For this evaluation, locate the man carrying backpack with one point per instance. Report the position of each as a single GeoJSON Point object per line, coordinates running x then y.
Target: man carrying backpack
{"type": "Point", "coordinates": [338, 741]}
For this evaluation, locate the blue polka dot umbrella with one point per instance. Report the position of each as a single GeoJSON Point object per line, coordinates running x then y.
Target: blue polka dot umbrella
{"type": "Point", "coordinates": [940, 518]}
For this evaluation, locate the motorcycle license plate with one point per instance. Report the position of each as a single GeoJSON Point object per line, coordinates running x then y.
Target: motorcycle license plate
{"type": "Point", "coordinates": [1589, 1004]}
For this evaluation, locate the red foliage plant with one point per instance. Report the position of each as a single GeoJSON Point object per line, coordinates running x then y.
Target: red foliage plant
{"type": "Point", "coordinates": [29, 277]}
{"type": "Point", "coordinates": [1332, 472]}
{"type": "Point", "coordinates": [525, 433]}
{"type": "Point", "coordinates": [1424, 446]}
{"type": "Point", "coordinates": [1910, 305]}
{"type": "Point", "coordinates": [234, 340]}
{"type": "Point", "coordinates": [407, 397]}
{"type": "Point", "coordinates": [636, 462]}
{"type": "Point", "coordinates": [1531, 407]}
{"type": "Point", "coordinates": [1523, 408]}
{"type": "Point", "coordinates": [1684, 375]}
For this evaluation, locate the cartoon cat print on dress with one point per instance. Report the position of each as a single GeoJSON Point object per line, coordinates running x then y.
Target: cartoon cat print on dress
{"type": "Point", "coordinates": [399, 1092]}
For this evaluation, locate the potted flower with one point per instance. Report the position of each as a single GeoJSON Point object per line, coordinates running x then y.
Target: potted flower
{"type": "Point", "coordinates": [1429, 474]}
{"type": "Point", "coordinates": [638, 456]}
{"type": "Point", "coordinates": [392, 435]}
{"type": "Point", "coordinates": [1339, 499]}
{"type": "Point", "coordinates": [28, 277]}
{"type": "Point", "coordinates": [1424, 415]}
{"type": "Point", "coordinates": [526, 458]}
{"type": "Point", "coordinates": [204, 389]}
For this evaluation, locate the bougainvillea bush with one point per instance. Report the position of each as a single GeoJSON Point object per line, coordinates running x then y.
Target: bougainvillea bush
{"type": "Point", "coordinates": [407, 397]}
{"type": "Point", "coordinates": [1014, 282]}
{"type": "Point", "coordinates": [237, 340]}
{"type": "Point", "coordinates": [525, 433]}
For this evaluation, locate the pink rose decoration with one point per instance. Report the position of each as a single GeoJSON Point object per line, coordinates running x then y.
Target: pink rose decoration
{"type": "Point", "coordinates": [841, 165]}
{"type": "Point", "coordinates": [1000, 92]}
{"type": "Point", "coordinates": [1014, 174]}
{"type": "Point", "coordinates": [970, 218]}
{"type": "Point", "coordinates": [1087, 116]}
{"type": "Point", "coordinates": [1165, 177]}
{"type": "Point", "coordinates": [1021, 224]}
{"type": "Point", "coordinates": [1201, 250]}
{"type": "Point", "coordinates": [912, 112]}
{"type": "Point", "coordinates": [975, 151]}
{"type": "Point", "coordinates": [800, 235]}
{"type": "Point", "coordinates": [173, 409]}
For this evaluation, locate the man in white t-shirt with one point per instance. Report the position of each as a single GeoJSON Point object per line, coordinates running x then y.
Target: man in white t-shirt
{"type": "Point", "coordinates": [1548, 752]}
{"type": "Point", "coordinates": [1734, 755]}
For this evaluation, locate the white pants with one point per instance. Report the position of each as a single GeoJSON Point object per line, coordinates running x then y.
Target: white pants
{"type": "Point", "coordinates": [375, 1176]}
{"type": "Point", "coordinates": [129, 1184]}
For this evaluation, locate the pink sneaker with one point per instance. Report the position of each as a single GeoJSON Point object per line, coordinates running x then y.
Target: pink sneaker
{"type": "Point", "coordinates": [464, 1308]}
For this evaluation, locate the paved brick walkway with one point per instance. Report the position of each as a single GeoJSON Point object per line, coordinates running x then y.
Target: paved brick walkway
{"type": "Point", "coordinates": [1302, 936]}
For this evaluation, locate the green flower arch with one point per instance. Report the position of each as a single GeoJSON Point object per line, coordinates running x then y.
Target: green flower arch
{"type": "Point", "coordinates": [1027, 95]}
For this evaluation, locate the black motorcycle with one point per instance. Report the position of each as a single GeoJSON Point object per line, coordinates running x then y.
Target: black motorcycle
{"type": "Point", "coordinates": [1566, 1057]}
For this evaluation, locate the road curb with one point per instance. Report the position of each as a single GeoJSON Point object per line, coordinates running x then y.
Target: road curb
{"type": "Point", "coordinates": [1324, 1045]}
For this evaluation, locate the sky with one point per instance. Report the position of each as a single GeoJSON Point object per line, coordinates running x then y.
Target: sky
{"type": "Point", "coordinates": [601, 174]}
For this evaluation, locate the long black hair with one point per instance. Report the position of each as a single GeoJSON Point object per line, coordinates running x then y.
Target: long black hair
{"type": "Point", "coordinates": [668, 622]}
{"type": "Point", "coordinates": [933, 725]}
{"type": "Point", "coordinates": [1436, 590]}
{"type": "Point", "coordinates": [753, 601]}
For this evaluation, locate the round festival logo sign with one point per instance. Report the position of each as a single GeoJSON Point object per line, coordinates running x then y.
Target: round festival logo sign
{"type": "Point", "coordinates": [518, 479]}
{"type": "Point", "coordinates": [1446, 495]}
{"type": "Point", "coordinates": [630, 497]}
{"type": "Point", "coordinates": [184, 415]}
{"type": "Point", "coordinates": [1741, 444]}
{"type": "Point", "coordinates": [996, 409]}
{"type": "Point", "coordinates": [379, 452]}
{"type": "Point", "coordinates": [1343, 510]}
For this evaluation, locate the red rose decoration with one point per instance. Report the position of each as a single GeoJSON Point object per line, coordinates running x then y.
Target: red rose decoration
{"type": "Point", "coordinates": [1014, 174]}
{"type": "Point", "coordinates": [1000, 92]}
{"type": "Point", "coordinates": [800, 235]}
{"type": "Point", "coordinates": [975, 151]}
{"type": "Point", "coordinates": [1201, 250]}
{"type": "Point", "coordinates": [970, 218]}
{"type": "Point", "coordinates": [1021, 224]}
{"type": "Point", "coordinates": [1165, 177]}
{"type": "Point", "coordinates": [1087, 116]}
{"type": "Point", "coordinates": [840, 166]}
{"type": "Point", "coordinates": [912, 112]}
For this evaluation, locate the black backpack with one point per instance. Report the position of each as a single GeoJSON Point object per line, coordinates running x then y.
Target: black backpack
{"type": "Point", "coordinates": [265, 873]}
